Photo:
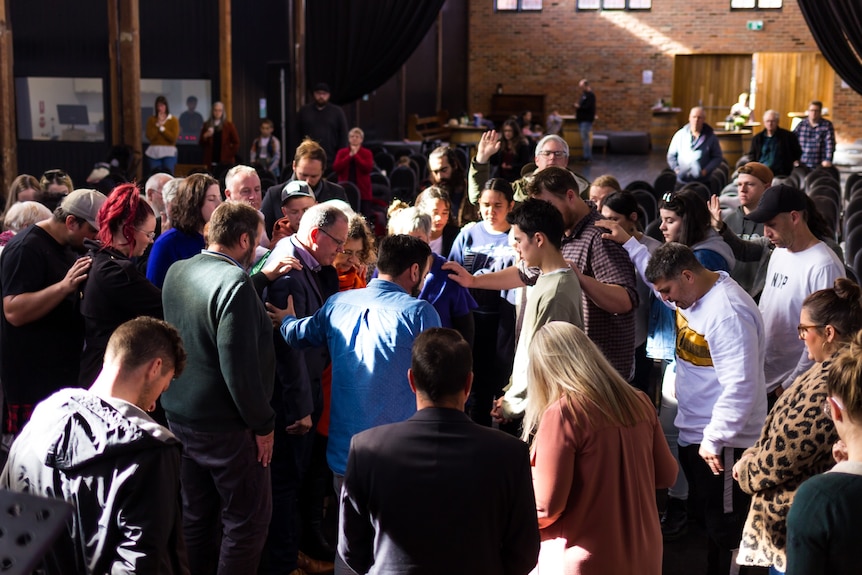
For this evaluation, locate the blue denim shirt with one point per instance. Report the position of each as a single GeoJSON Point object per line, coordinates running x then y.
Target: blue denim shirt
{"type": "Point", "coordinates": [370, 335]}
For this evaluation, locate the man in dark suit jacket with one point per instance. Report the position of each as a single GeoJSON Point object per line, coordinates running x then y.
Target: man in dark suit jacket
{"type": "Point", "coordinates": [775, 147]}
{"type": "Point", "coordinates": [438, 493]}
{"type": "Point", "coordinates": [298, 399]}
{"type": "Point", "coordinates": [309, 166]}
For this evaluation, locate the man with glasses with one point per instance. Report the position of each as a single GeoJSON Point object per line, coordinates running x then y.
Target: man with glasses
{"type": "Point", "coordinates": [41, 328]}
{"type": "Point", "coordinates": [694, 151]}
{"type": "Point", "coordinates": [550, 151]}
{"type": "Point", "coordinates": [816, 137]}
{"type": "Point", "coordinates": [775, 147]}
{"type": "Point", "coordinates": [309, 166]}
{"type": "Point", "coordinates": [370, 333]}
{"type": "Point", "coordinates": [298, 399]}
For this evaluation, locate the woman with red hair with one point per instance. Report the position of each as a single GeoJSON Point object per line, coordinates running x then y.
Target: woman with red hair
{"type": "Point", "coordinates": [115, 290]}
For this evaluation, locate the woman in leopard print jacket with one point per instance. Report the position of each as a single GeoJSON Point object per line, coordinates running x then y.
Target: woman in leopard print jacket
{"type": "Point", "coordinates": [797, 438]}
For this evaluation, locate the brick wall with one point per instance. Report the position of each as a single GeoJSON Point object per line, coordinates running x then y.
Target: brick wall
{"type": "Point", "coordinates": [549, 51]}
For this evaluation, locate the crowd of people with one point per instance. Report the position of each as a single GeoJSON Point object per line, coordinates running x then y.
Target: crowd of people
{"type": "Point", "coordinates": [225, 357]}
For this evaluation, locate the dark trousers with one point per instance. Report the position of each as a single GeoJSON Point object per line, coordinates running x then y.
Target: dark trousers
{"type": "Point", "coordinates": [493, 353]}
{"type": "Point", "coordinates": [290, 460]}
{"type": "Point", "coordinates": [721, 503]}
{"type": "Point", "coordinates": [227, 500]}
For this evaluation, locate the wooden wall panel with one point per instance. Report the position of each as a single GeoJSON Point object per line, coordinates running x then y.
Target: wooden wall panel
{"type": "Point", "coordinates": [786, 82]}
{"type": "Point", "coordinates": [713, 81]}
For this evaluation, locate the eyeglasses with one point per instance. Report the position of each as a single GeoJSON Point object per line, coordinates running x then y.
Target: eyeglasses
{"type": "Point", "coordinates": [54, 175]}
{"type": "Point", "coordinates": [802, 329]}
{"type": "Point", "coordinates": [351, 253]}
{"type": "Point", "coordinates": [338, 243]}
{"type": "Point", "coordinates": [150, 235]}
{"type": "Point", "coordinates": [549, 153]}
{"type": "Point", "coordinates": [834, 401]}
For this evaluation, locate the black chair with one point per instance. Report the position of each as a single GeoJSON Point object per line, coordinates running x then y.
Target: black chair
{"type": "Point", "coordinates": [664, 183]}
{"type": "Point", "coordinates": [384, 161]}
{"type": "Point", "coordinates": [354, 198]}
{"type": "Point", "coordinates": [798, 174]}
{"type": "Point", "coordinates": [851, 274]}
{"type": "Point", "coordinates": [653, 231]}
{"type": "Point", "coordinates": [402, 182]}
{"type": "Point", "coordinates": [381, 192]}
{"type": "Point", "coordinates": [830, 211]}
{"type": "Point", "coordinates": [375, 148]}
{"type": "Point", "coordinates": [857, 264]}
{"type": "Point", "coordinates": [854, 189]}
{"type": "Point", "coordinates": [852, 243]}
{"type": "Point", "coordinates": [828, 191]}
{"type": "Point", "coordinates": [852, 222]}
{"type": "Point", "coordinates": [854, 206]}
{"type": "Point", "coordinates": [422, 164]}
{"type": "Point", "coordinates": [848, 185]}
{"type": "Point", "coordinates": [816, 176]}
{"type": "Point", "coordinates": [640, 185]}
{"type": "Point", "coordinates": [463, 158]}
{"type": "Point", "coordinates": [381, 179]}
{"type": "Point", "coordinates": [700, 188]}
{"type": "Point", "coordinates": [646, 200]}
{"type": "Point", "coordinates": [399, 153]}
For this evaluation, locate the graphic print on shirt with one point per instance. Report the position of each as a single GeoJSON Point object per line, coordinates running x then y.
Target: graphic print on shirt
{"type": "Point", "coordinates": [690, 345]}
{"type": "Point", "coordinates": [779, 280]}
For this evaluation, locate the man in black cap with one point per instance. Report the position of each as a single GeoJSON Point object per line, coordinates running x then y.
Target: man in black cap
{"type": "Point", "coordinates": [323, 122]}
{"type": "Point", "coordinates": [800, 265]}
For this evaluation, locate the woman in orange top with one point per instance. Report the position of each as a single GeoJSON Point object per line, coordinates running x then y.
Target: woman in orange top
{"type": "Point", "coordinates": [598, 457]}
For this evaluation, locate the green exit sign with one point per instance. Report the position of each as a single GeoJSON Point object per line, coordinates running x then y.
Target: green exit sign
{"type": "Point", "coordinates": [755, 25]}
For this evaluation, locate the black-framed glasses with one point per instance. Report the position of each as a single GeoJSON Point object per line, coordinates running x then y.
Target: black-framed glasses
{"type": "Point", "coordinates": [54, 175]}
{"type": "Point", "coordinates": [339, 243]}
{"type": "Point", "coordinates": [554, 153]}
{"type": "Point", "coordinates": [802, 329]}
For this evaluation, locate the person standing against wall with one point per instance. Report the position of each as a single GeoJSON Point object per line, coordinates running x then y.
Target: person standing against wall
{"type": "Point", "coordinates": [585, 115]}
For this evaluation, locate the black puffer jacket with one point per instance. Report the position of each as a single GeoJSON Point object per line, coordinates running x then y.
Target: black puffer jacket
{"type": "Point", "coordinates": [119, 469]}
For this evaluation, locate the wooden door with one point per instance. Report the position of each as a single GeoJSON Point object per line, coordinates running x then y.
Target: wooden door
{"type": "Point", "coordinates": [786, 82]}
{"type": "Point", "coordinates": [713, 81]}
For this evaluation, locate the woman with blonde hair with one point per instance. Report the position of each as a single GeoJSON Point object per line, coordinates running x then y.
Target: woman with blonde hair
{"type": "Point", "coordinates": [598, 455]}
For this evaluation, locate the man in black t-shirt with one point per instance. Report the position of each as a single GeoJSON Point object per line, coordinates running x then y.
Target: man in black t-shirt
{"type": "Point", "coordinates": [41, 329]}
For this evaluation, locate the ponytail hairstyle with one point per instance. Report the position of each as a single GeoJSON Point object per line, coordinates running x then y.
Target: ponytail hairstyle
{"type": "Point", "coordinates": [844, 380]}
{"type": "Point", "coordinates": [122, 213]}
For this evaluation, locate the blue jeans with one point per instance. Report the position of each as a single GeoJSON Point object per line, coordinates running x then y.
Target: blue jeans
{"type": "Point", "coordinates": [227, 500]}
{"type": "Point", "coordinates": [168, 163]}
{"type": "Point", "coordinates": [586, 139]}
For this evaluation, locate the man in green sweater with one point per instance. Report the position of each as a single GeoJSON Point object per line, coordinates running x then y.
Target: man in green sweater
{"type": "Point", "coordinates": [219, 408]}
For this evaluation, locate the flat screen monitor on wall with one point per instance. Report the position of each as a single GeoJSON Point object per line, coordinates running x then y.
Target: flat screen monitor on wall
{"type": "Point", "coordinates": [73, 114]}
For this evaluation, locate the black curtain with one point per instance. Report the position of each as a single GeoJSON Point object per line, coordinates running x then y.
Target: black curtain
{"type": "Point", "coordinates": [837, 27]}
{"type": "Point", "coordinates": [355, 46]}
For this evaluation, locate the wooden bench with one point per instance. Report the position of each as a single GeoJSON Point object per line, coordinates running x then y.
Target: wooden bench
{"type": "Point", "coordinates": [429, 129]}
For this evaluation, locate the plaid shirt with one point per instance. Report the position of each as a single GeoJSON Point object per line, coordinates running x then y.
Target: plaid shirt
{"type": "Point", "coordinates": [608, 262]}
{"type": "Point", "coordinates": [817, 142]}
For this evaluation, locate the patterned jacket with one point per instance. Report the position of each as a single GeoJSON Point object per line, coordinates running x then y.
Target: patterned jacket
{"type": "Point", "coordinates": [796, 444]}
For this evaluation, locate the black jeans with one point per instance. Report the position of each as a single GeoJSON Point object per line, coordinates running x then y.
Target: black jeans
{"type": "Point", "coordinates": [227, 500]}
{"type": "Point", "coordinates": [720, 501]}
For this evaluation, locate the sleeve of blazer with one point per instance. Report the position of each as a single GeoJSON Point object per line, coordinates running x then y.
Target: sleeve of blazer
{"type": "Point", "coordinates": [521, 545]}
{"type": "Point", "coordinates": [293, 381]}
{"type": "Point", "coordinates": [356, 539]}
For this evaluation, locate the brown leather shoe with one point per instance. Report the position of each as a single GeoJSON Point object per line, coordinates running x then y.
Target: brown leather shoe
{"type": "Point", "coordinates": [315, 566]}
